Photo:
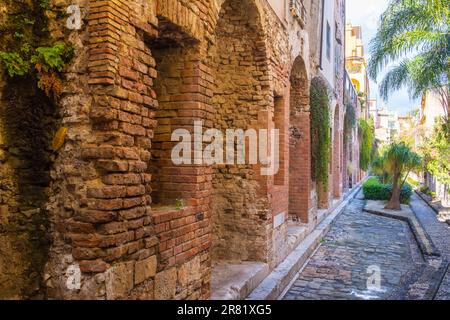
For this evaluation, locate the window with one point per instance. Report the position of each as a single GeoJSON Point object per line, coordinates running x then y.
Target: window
{"type": "Point", "coordinates": [328, 41]}
{"type": "Point", "coordinates": [337, 53]}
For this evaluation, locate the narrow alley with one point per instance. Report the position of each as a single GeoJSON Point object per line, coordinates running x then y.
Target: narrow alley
{"type": "Point", "coordinates": [361, 245]}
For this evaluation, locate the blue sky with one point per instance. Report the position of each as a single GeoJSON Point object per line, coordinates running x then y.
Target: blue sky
{"type": "Point", "coordinates": [366, 13]}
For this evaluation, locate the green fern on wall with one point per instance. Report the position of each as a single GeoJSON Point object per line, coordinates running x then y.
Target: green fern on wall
{"type": "Point", "coordinates": [26, 48]}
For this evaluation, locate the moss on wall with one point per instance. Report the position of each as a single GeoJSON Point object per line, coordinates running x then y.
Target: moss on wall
{"type": "Point", "coordinates": [28, 120]}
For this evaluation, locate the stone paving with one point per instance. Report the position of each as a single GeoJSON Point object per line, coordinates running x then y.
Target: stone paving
{"type": "Point", "coordinates": [444, 291]}
{"type": "Point", "coordinates": [359, 247]}
{"type": "Point", "coordinates": [439, 232]}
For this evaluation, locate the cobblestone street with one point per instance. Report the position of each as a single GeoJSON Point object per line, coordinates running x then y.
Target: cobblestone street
{"type": "Point", "coordinates": [361, 246]}
{"type": "Point", "coordinates": [440, 234]}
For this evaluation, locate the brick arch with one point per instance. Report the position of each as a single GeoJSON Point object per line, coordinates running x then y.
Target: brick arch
{"type": "Point", "coordinates": [336, 155]}
{"type": "Point", "coordinates": [240, 100]}
{"type": "Point", "coordinates": [179, 192]}
{"type": "Point", "coordinates": [299, 143]}
{"type": "Point", "coordinates": [253, 8]}
{"type": "Point", "coordinates": [347, 157]}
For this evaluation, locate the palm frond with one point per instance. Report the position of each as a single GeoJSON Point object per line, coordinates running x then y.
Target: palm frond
{"type": "Point", "coordinates": [416, 31]}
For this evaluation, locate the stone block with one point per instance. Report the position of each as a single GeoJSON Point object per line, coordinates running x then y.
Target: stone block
{"type": "Point", "coordinates": [145, 291]}
{"type": "Point", "coordinates": [166, 284]}
{"type": "Point", "coordinates": [189, 272]}
{"type": "Point", "coordinates": [145, 269]}
{"type": "Point", "coordinates": [119, 280]}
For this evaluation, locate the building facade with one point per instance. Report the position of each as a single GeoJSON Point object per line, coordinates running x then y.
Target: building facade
{"type": "Point", "coordinates": [430, 112]}
{"type": "Point", "coordinates": [332, 69]}
{"type": "Point", "coordinates": [387, 126]}
{"type": "Point", "coordinates": [356, 64]}
{"type": "Point", "coordinates": [93, 207]}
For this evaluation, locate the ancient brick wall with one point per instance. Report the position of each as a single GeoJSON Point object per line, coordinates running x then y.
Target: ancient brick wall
{"type": "Point", "coordinates": [121, 221]}
{"type": "Point", "coordinates": [124, 247]}
{"type": "Point", "coordinates": [29, 122]}
{"type": "Point", "coordinates": [240, 95]}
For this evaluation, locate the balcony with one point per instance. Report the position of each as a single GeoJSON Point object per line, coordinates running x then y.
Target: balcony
{"type": "Point", "coordinates": [350, 91]}
{"type": "Point", "coordinates": [298, 11]}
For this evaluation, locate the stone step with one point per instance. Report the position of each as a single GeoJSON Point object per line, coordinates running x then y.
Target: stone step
{"type": "Point", "coordinates": [235, 281]}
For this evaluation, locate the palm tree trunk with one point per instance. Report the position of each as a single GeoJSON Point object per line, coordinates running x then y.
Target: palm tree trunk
{"type": "Point", "coordinates": [394, 203]}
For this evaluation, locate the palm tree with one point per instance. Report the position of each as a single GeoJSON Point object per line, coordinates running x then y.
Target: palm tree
{"type": "Point", "coordinates": [379, 169]}
{"type": "Point", "coordinates": [399, 160]}
{"type": "Point", "coordinates": [414, 35]}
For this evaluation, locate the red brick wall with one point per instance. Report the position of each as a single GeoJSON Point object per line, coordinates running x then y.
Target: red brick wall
{"type": "Point", "coordinates": [125, 246]}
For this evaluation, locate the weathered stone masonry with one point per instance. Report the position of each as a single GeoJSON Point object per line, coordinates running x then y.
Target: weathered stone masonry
{"type": "Point", "coordinates": [136, 225]}
{"type": "Point", "coordinates": [126, 248]}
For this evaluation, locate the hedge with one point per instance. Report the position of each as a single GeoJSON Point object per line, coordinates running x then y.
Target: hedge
{"type": "Point", "coordinates": [373, 189]}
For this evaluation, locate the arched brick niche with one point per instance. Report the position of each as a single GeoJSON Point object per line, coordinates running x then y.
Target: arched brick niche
{"type": "Point", "coordinates": [299, 143]}
{"type": "Point", "coordinates": [180, 193]}
{"type": "Point", "coordinates": [348, 157]}
{"type": "Point", "coordinates": [180, 92]}
{"type": "Point", "coordinates": [28, 121]}
{"type": "Point", "coordinates": [144, 81]}
{"type": "Point", "coordinates": [240, 96]}
{"type": "Point", "coordinates": [336, 162]}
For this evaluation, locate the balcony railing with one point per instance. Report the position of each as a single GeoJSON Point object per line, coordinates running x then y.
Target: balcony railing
{"type": "Point", "coordinates": [350, 90]}
{"type": "Point", "coordinates": [298, 11]}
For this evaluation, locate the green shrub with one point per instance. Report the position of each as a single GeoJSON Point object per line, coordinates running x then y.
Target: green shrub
{"type": "Point", "coordinates": [373, 189]}
{"type": "Point", "coordinates": [406, 194]}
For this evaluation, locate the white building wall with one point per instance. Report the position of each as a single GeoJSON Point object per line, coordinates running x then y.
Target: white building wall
{"type": "Point", "coordinates": [280, 7]}
{"type": "Point", "coordinates": [328, 33]}
{"type": "Point", "coordinates": [433, 110]}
